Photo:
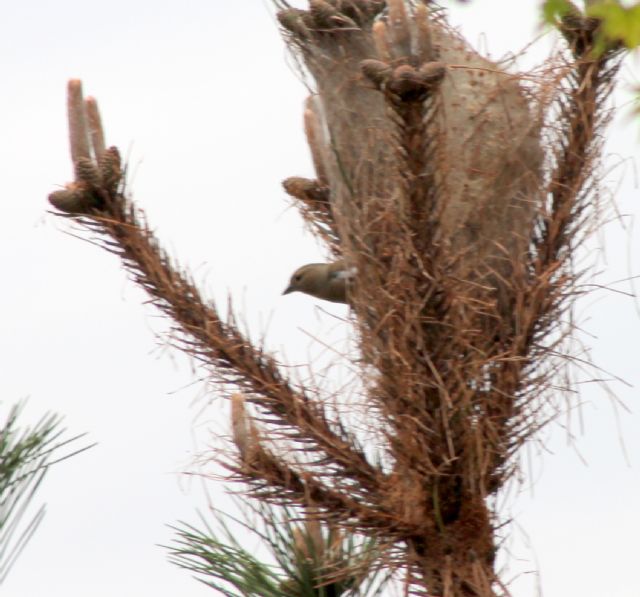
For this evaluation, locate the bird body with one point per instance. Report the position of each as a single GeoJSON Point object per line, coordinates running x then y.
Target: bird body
{"type": "Point", "coordinates": [327, 281]}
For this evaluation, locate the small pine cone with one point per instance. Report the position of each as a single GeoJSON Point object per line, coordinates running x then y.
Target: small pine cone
{"type": "Point", "coordinates": [293, 21]}
{"type": "Point", "coordinates": [73, 200]}
{"type": "Point", "coordinates": [572, 22]}
{"type": "Point", "coordinates": [376, 71]}
{"type": "Point", "coordinates": [361, 11]}
{"type": "Point", "coordinates": [326, 15]}
{"type": "Point", "coordinates": [355, 10]}
{"type": "Point", "coordinates": [88, 173]}
{"type": "Point", "coordinates": [581, 33]}
{"type": "Point", "coordinates": [410, 84]}
{"type": "Point", "coordinates": [322, 12]}
{"type": "Point", "coordinates": [305, 189]}
{"type": "Point", "coordinates": [110, 165]}
{"type": "Point", "coordinates": [432, 72]}
{"type": "Point", "coordinates": [406, 83]}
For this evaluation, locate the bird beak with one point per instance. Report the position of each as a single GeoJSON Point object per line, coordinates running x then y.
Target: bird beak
{"type": "Point", "coordinates": [287, 290]}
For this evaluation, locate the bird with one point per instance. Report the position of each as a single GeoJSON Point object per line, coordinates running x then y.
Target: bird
{"type": "Point", "coordinates": [327, 281]}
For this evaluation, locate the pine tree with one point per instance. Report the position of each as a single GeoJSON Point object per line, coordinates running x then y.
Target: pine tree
{"type": "Point", "coordinates": [459, 192]}
{"type": "Point", "coordinates": [26, 453]}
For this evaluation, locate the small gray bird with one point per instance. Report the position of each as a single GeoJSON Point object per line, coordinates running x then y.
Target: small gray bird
{"type": "Point", "coordinates": [327, 281]}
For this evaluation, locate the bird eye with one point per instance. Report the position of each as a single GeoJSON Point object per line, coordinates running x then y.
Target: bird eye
{"type": "Point", "coordinates": [297, 277]}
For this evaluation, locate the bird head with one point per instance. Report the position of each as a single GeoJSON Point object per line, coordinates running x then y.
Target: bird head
{"type": "Point", "coordinates": [326, 281]}
{"type": "Point", "coordinates": [306, 278]}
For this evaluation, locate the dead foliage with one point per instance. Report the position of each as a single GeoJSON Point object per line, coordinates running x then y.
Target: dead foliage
{"type": "Point", "coordinates": [460, 192]}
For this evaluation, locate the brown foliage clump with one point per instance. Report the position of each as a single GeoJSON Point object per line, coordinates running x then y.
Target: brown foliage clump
{"type": "Point", "coordinates": [459, 192]}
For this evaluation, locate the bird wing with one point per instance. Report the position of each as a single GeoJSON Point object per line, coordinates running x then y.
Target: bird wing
{"type": "Point", "coordinates": [344, 274]}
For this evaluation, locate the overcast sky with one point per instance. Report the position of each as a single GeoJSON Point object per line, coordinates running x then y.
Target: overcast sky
{"type": "Point", "coordinates": [205, 104]}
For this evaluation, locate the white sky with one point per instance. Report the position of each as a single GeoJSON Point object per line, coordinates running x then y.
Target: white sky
{"type": "Point", "coordinates": [204, 101]}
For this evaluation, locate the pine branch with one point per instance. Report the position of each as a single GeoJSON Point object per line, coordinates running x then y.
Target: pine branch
{"type": "Point", "coordinates": [313, 559]}
{"type": "Point", "coordinates": [25, 457]}
{"type": "Point", "coordinates": [98, 201]}
{"type": "Point", "coordinates": [315, 208]}
{"type": "Point", "coordinates": [544, 288]}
